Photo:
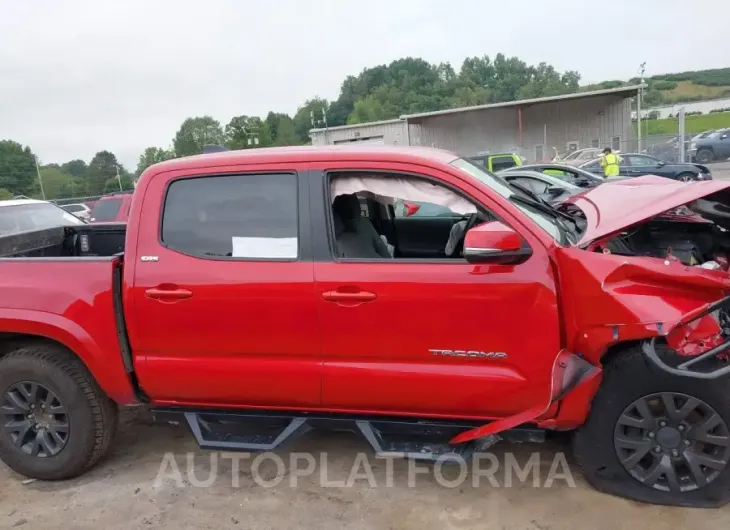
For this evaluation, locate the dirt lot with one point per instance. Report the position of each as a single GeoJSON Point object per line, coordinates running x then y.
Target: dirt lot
{"type": "Point", "coordinates": [123, 492]}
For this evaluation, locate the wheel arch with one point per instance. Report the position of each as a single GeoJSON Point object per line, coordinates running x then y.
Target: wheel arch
{"type": "Point", "coordinates": [19, 328]}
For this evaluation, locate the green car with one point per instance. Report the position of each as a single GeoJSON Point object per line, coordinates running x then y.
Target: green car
{"type": "Point", "coordinates": [497, 162]}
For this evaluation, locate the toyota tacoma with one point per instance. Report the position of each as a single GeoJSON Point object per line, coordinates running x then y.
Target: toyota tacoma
{"type": "Point", "coordinates": [264, 292]}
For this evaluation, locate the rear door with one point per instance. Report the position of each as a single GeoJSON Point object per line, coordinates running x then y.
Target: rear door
{"type": "Point", "coordinates": [223, 310]}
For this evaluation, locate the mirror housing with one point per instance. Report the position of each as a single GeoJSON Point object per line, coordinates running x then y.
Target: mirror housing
{"type": "Point", "coordinates": [582, 182]}
{"type": "Point", "coordinates": [496, 243]}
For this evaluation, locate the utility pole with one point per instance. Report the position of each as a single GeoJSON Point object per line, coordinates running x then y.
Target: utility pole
{"type": "Point", "coordinates": [119, 178]}
{"type": "Point", "coordinates": [642, 68]}
{"type": "Point", "coordinates": [40, 180]}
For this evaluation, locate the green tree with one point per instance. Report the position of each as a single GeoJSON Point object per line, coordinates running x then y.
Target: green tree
{"type": "Point", "coordinates": [77, 168]}
{"type": "Point", "coordinates": [286, 134]}
{"type": "Point", "coordinates": [273, 119]}
{"type": "Point", "coordinates": [152, 155]}
{"type": "Point", "coordinates": [102, 168]}
{"type": "Point", "coordinates": [244, 132]}
{"type": "Point", "coordinates": [5, 195]}
{"type": "Point", "coordinates": [17, 168]}
{"type": "Point", "coordinates": [58, 185]}
{"type": "Point", "coordinates": [112, 184]}
{"type": "Point", "coordinates": [195, 133]}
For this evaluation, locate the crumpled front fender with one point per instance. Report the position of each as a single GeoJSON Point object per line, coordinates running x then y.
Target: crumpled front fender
{"type": "Point", "coordinates": [608, 299]}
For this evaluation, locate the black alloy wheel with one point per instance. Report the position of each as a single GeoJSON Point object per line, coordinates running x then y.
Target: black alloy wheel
{"type": "Point", "coordinates": [35, 419]}
{"type": "Point", "coordinates": [672, 442]}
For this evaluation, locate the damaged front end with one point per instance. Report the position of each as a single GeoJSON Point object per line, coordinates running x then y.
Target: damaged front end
{"type": "Point", "coordinates": [697, 346]}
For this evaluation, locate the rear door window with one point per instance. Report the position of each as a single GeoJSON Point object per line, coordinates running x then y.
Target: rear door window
{"type": "Point", "coordinates": [235, 217]}
{"type": "Point", "coordinates": [106, 210]}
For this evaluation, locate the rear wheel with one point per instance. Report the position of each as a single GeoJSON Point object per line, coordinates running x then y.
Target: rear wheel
{"type": "Point", "coordinates": [704, 156]}
{"type": "Point", "coordinates": [657, 438]}
{"type": "Point", "coordinates": [55, 421]}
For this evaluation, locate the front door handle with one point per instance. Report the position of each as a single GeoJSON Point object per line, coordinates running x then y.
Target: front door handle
{"type": "Point", "coordinates": [344, 296]}
{"type": "Point", "coordinates": [168, 294]}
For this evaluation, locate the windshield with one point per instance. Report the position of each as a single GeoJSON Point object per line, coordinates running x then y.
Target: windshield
{"type": "Point", "coordinates": [499, 185]}
{"type": "Point", "coordinates": [34, 216]}
{"type": "Point", "coordinates": [106, 210]}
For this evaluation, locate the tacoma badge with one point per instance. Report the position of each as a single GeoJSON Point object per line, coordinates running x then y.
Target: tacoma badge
{"type": "Point", "coordinates": [471, 353]}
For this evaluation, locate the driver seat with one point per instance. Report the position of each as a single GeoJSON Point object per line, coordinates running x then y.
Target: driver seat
{"type": "Point", "coordinates": [357, 233]}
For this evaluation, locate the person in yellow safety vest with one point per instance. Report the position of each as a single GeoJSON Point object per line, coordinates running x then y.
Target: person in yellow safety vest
{"type": "Point", "coordinates": [610, 162]}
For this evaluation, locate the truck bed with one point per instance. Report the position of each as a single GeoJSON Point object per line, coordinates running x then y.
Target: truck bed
{"type": "Point", "coordinates": [80, 241]}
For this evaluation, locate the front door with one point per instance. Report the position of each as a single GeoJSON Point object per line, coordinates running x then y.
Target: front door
{"type": "Point", "coordinates": [223, 311]}
{"type": "Point", "coordinates": [436, 336]}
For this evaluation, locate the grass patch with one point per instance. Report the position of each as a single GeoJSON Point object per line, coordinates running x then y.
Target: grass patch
{"type": "Point", "coordinates": [688, 89]}
{"type": "Point", "coordinates": [692, 124]}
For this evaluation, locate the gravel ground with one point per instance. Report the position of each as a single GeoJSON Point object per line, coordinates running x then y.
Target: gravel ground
{"type": "Point", "coordinates": [720, 170]}
{"type": "Point", "coordinates": [124, 492]}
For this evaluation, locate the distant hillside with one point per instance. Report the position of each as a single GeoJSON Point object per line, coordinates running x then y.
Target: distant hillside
{"type": "Point", "coordinates": [681, 87]}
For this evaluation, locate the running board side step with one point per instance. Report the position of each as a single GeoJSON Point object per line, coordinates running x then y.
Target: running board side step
{"type": "Point", "coordinates": [402, 437]}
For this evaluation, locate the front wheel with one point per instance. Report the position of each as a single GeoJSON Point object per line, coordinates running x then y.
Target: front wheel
{"type": "Point", "coordinates": [55, 421]}
{"type": "Point", "coordinates": [657, 438]}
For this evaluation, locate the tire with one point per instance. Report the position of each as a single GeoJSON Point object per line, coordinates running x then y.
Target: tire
{"type": "Point", "coordinates": [82, 433]}
{"type": "Point", "coordinates": [704, 156]}
{"type": "Point", "coordinates": [628, 378]}
{"type": "Point", "coordinates": [686, 177]}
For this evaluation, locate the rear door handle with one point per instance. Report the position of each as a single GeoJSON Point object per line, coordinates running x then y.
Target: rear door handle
{"type": "Point", "coordinates": [168, 294]}
{"type": "Point", "coordinates": [342, 296]}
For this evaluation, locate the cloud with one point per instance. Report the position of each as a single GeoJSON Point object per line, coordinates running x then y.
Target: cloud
{"type": "Point", "coordinates": [79, 76]}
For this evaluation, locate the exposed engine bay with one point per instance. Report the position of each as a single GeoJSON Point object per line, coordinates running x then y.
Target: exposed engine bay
{"type": "Point", "coordinates": [697, 234]}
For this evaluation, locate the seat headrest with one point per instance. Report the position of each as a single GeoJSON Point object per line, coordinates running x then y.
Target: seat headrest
{"type": "Point", "coordinates": [347, 206]}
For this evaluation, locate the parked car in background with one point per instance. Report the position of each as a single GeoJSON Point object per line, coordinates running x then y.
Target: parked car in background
{"type": "Point", "coordinates": [571, 174]}
{"type": "Point", "coordinates": [497, 162]}
{"type": "Point", "coordinates": [580, 156]}
{"type": "Point", "coordinates": [112, 208]}
{"type": "Point", "coordinates": [637, 164]}
{"type": "Point", "coordinates": [550, 189]}
{"type": "Point", "coordinates": [79, 210]}
{"type": "Point", "coordinates": [25, 215]}
{"type": "Point", "coordinates": [714, 146]}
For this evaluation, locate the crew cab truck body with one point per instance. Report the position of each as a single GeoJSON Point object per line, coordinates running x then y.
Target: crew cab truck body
{"type": "Point", "coordinates": [242, 298]}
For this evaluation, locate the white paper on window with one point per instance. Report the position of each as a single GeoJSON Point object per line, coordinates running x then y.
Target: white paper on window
{"type": "Point", "coordinates": [265, 247]}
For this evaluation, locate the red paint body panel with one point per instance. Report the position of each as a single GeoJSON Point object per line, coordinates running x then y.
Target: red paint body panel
{"type": "Point", "coordinates": [261, 335]}
{"type": "Point", "coordinates": [69, 302]}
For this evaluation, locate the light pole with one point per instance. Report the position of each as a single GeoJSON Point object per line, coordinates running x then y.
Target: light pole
{"type": "Point", "coordinates": [40, 180]}
{"type": "Point", "coordinates": [642, 67]}
{"type": "Point", "coordinates": [119, 178]}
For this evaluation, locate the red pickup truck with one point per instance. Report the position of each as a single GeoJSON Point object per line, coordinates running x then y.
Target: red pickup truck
{"type": "Point", "coordinates": [263, 292]}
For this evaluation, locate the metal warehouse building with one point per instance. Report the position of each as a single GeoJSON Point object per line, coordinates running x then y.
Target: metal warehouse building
{"type": "Point", "coordinates": [534, 128]}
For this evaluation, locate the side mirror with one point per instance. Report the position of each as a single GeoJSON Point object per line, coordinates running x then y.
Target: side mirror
{"type": "Point", "coordinates": [582, 182]}
{"type": "Point", "coordinates": [494, 242]}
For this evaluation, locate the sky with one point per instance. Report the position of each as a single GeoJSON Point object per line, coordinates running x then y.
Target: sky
{"type": "Point", "coordinates": [80, 76]}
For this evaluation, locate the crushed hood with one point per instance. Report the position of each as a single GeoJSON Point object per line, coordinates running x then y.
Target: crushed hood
{"type": "Point", "coordinates": [615, 206]}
